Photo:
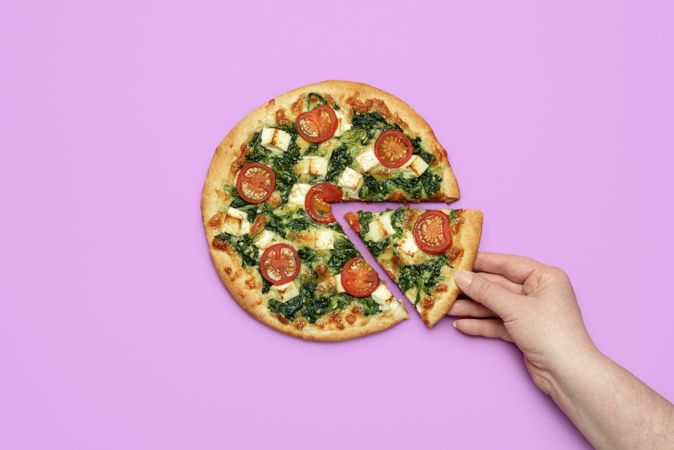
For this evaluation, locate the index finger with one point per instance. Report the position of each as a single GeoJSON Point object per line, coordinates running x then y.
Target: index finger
{"type": "Point", "coordinates": [513, 267]}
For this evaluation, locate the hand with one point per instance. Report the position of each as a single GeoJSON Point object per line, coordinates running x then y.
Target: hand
{"type": "Point", "coordinates": [533, 305]}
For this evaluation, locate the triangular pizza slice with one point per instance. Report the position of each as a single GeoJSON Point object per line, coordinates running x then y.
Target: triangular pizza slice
{"type": "Point", "coordinates": [420, 249]}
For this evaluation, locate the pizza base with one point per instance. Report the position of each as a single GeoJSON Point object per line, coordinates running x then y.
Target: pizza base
{"type": "Point", "coordinates": [242, 282]}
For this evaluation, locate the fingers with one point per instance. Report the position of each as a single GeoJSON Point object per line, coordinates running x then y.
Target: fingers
{"type": "Point", "coordinates": [491, 328]}
{"type": "Point", "coordinates": [492, 295]}
{"type": "Point", "coordinates": [469, 308]}
{"type": "Point", "coordinates": [515, 268]}
{"type": "Point", "coordinates": [503, 281]}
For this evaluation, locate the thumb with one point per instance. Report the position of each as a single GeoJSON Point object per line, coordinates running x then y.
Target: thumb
{"type": "Point", "coordinates": [491, 295]}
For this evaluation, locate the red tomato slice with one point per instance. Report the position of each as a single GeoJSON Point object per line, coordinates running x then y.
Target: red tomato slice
{"type": "Point", "coordinates": [317, 125]}
{"type": "Point", "coordinates": [359, 278]}
{"type": "Point", "coordinates": [318, 199]}
{"type": "Point", "coordinates": [393, 148]}
{"type": "Point", "coordinates": [255, 182]}
{"type": "Point", "coordinates": [432, 232]}
{"type": "Point", "coordinates": [279, 264]}
{"type": "Point", "coordinates": [352, 218]}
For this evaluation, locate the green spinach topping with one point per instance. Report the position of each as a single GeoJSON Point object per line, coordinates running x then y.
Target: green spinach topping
{"type": "Point", "coordinates": [243, 245]}
{"type": "Point", "coordinates": [313, 308]}
{"type": "Point", "coordinates": [339, 160]}
{"type": "Point", "coordinates": [421, 276]}
{"type": "Point", "coordinates": [343, 251]}
{"type": "Point", "coordinates": [296, 221]}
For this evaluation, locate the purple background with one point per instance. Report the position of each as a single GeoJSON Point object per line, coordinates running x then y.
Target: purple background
{"type": "Point", "coordinates": [115, 331]}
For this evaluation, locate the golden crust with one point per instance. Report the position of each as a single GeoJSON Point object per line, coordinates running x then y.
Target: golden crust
{"type": "Point", "coordinates": [467, 239]}
{"type": "Point", "coordinates": [244, 284]}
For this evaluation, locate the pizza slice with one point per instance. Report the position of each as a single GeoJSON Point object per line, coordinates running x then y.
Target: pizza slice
{"type": "Point", "coordinates": [420, 249]}
{"type": "Point", "coordinates": [266, 204]}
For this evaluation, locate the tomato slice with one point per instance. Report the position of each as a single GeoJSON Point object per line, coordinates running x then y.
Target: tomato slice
{"type": "Point", "coordinates": [432, 232]}
{"type": "Point", "coordinates": [255, 182]}
{"type": "Point", "coordinates": [279, 264]}
{"type": "Point", "coordinates": [318, 199]}
{"type": "Point", "coordinates": [317, 125]}
{"type": "Point", "coordinates": [352, 218]}
{"type": "Point", "coordinates": [359, 278]}
{"type": "Point", "coordinates": [393, 148]}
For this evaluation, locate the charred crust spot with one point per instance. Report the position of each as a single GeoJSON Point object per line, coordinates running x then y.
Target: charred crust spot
{"type": "Point", "coordinates": [357, 309]}
{"type": "Point", "coordinates": [397, 196]}
{"type": "Point", "coordinates": [228, 270]}
{"type": "Point", "coordinates": [251, 283]}
{"type": "Point", "coordinates": [216, 222]}
{"type": "Point", "coordinates": [220, 245]}
{"type": "Point", "coordinates": [351, 318]}
{"type": "Point", "coordinates": [441, 288]}
{"type": "Point", "coordinates": [299, 323]}
{"type": "Point", "coordinates": [322, 270]}
{"type": "Point", "coordinates": [258, 224]}
{"type": "Point", "coordinates": [340, 325]}
{"type": "Point", "coordinates": [389, 273]}
{"type": "Point", "coordinates": [454, 253]}
{"type": "Point", "coordinates": [275, 199]}
{"type": "Point", "coordinates": [297, 107]}
{"type": "Point", "coordinates": [271, 102]}
{"type": "Point", "coordinates": [281, 319]}
{"type": "Point", "coordinates": [427, 302]}
{"type": "Point", "coordinates": [281, 118]}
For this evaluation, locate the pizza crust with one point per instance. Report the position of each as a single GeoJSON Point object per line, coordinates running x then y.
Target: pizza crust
{"type": "Point", "coordinates": [244, 283]}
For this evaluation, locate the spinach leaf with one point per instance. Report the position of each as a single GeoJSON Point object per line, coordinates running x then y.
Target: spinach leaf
{"type": "Point", "coordinates": [343, 251]}
{"type": "Point", "coordinates": [399, 218]}
{"type": "Point", "coordinates": [243, 245]}
{"type": "Point", "coordinates": [365, 218]}
{"type": "Point", "coordinates": [307, 255]}
{"type": "Point", "coordinates": [453, 216]}
{"type": "Point", "coordinates": [431, 183]}
{"type": "Point", "coordinates": [257, 152]}
{"type": "Point", "coordinates": [422, 276]}
{"type": "Point", "coordinates": [287, 309]}
{"type": "Point", "coordinates": [355, 138]}
{"type": "Point", "coordinates": [297, 221]}
{"type": "Point", "coordinates": [339, 160]}
{"type": "Point", "coordinates": [373, 189]}
{"type": "Point", "coordinates": [372, 123]}
{"type": "Point", "coordinates": [377, 248]}
{"type": "Point", "coordinates": [419, 150]}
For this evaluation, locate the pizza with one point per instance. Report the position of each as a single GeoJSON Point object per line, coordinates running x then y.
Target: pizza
{"type": "Point", "coordinates": [420, 249]}
{"type": "Point", "coordinates": [266, 205]}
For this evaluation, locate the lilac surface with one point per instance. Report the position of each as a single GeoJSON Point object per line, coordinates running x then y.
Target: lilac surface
{"type": "Point", "coordinates": [115, 331]}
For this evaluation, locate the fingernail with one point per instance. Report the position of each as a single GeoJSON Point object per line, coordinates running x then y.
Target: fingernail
{"type": "Point", "coordinates": [463, 277]}
{"type": "Point", "coordinates": [454, 324]}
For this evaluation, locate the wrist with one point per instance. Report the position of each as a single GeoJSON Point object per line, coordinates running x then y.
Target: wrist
{"type": "Point", "coordinates": [574, 371]}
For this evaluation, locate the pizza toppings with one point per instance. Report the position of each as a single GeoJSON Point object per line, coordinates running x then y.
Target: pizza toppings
{"type": "Point", "coordinates": [255, 182]}
{"type": "Point", "coordinates": [393, 148]}
{"type": "Point", "coordinates": [432, 232]}
{"type": "Point", "coordinates": [325, 239]}
{"type": "Point", "coordinates": [317, 125]}
{"type": "Point", "coordinates": [279, 264]}
{"type": "Point", "coordinates": [416, 165]}
{"type": "Point", "coordinates": [235, 222]}
{"type": "Point", "coordinates": [287, 290]}
{"type": "Point", "coordinates": [352, 219]}
{"type": "Point", "coordinates": [358, 278]}
{"type": "Point", "coordinates": [312, 165]}
{"type": "Point", "coordinates": [298, 194]}
{"type": "Point", "coordinates": [318, 199]}
{"type": "Point", "coordinates": [380, 228]}
{"type": "Point", "coordinates": [275, 139]}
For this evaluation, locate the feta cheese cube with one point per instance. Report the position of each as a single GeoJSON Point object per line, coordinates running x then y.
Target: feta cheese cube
{"type": "Point", "coordinates": [380, 228]}
{"type": "Point", "coordinates": [338, 283]}
{"type": "Point", "coordinates": [235, 222]}
{"type": "Point", "coordinates": [298, 193]}
{"type": "Point", "coordinates": [275, 139]}
{"type": "Point", "coordinates": [318, 165]}
{"type": "Point", "coordinates": [416, 165]}
{"type": "Point", "coordinates": [286, 291]}
{"type": "Point", "coordinates": [408, 245]}
{"type": "Point", "coordinates": [367, 160]}
{"type": "Point", "coordinates": [325, 239]}
{"type": "Point", "coordinates": [264, 239]}
{"type": "Point", "coordinates": [302, 166]}
{"type": "Point", "coordinates": [382, 295]}
{"type": "Point", "coordinates": [350, 179]}
{"type": "Point", "coordinates": [343, 123]}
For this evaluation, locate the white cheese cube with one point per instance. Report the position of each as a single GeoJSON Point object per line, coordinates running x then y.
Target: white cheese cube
{"type": "Point", "coordinates": [343, 123]}
{"type": "Point", "coordinates": [325, 239]}
{"type": "Point", "coordinates": [408, 245]}
{"type": "Point", "coordinates": [380, 228]}
{"type": "Point", "coordinates": [275, 139]}
{"type": "Point", "coordinates": [416, 165]}
{"type": "Point", "coordinates": [264, 239]}
{"type": "Point", "coordinates": [338, 283]}
{"type": "Point", "coordinates": [382, 295]}
{"type": "Point", "coordinates": [367, 160]}
{"type": "Point", "coordinates": [286, 291]}
{"type": "Point", "coordinates": [298, 193]}
{"type": "Point", "coordinates": [236, 222]}
{"type": "Point", "coordinates": [302, 166]}
{"type": "Point", "coordinates": [318, 165]}
{"type": "Point", "coordinates": [350, 179]}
